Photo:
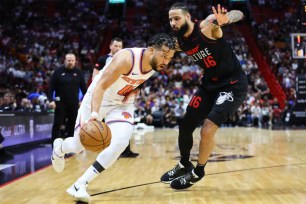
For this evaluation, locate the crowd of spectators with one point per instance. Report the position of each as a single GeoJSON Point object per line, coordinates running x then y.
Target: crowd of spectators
{"type": "Point", "coordinates": [35, 36]}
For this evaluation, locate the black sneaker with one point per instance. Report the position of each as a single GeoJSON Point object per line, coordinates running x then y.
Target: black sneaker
{"type": "Point", "coordinates": [177, 171]}
{"type": "Point", "coordinates": [185, 181]}
{"type": "Point", "coordinates": [129, 154]}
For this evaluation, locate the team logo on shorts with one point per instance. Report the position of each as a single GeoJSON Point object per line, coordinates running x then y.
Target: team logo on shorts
{"type": "Point", "coordinates": [126, 115]}
{"type": "Point", "coordinates": [223, 96]}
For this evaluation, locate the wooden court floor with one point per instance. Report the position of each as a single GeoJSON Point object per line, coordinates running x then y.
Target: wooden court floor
{"type": "Point", "coordinates": [248, 165]}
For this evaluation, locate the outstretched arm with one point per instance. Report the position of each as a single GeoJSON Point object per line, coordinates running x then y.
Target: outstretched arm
{"type": "Point", "coordinates": [233, 16]}
{"type": "Point", "coordinates": [211, 25]}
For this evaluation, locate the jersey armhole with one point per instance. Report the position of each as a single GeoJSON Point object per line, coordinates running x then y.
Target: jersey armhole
{"type": "Point", "coordinates": [206, 39]}
{"type": "Point", "coordinates": [133, 56]}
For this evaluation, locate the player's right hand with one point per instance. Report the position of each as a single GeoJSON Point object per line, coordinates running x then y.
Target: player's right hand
{"type": "Point", "coordinates": [93, 116]}
{"type": "Point", "coordinates": [220, 15]}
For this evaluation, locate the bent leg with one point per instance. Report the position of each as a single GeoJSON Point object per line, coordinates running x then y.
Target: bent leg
{"type": "Point", "coordinates": [120, 121]}
{"type": "Point", "coordinates": [121, 134]}
{"type": "Point", "coordinates": [197, 110]}
{"type": "Point", "coordinates": [207, 142]}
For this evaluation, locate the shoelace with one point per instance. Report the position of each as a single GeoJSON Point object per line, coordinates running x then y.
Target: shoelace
{"type": "Point", "coordinates": [171, 172]}
{"type": "Point", "coordinates": [184, 179]}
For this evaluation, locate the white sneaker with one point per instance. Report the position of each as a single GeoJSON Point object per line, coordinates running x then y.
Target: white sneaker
{"type": "Point", "coordinates": [78, 191]}
{"type": "Point", "coordinates": [58, 163]}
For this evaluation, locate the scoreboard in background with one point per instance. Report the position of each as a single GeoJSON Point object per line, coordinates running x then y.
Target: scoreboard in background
{"type": "Point", "coordinates": [298, 45]}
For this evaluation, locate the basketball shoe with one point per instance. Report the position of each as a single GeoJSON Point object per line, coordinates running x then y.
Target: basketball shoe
{"type": "Point", "coordinates": [78, 191]}
{"type": "Point", "coordinates": [177, 171]}
{"type": "Point", "coordinates": [185, 181]}
{"type": "Point", "coordinates": [58, 162]}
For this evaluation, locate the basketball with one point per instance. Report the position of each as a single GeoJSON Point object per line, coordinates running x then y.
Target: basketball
{"type": "Point", "coordinates": [95, 136]}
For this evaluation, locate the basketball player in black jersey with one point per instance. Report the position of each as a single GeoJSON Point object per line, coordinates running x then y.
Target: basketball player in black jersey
{"type": "Point", "coordinates": [222, 90]}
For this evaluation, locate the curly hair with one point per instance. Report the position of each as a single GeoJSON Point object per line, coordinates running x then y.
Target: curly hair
{"type": "Point", "coordinates": [161, 39]}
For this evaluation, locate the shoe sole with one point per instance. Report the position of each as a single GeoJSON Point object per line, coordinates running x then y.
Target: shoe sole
{"type": "Point", "coordinates": [83, 199]}
{"type": "Point", "coordinates": [55, 169]}
{"type": "Point", "coordinates": [180, 189]}
{"type": "Point", "coordinates": [166, 182]}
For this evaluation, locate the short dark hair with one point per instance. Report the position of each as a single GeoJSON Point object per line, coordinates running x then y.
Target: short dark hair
{"type": "Point", "coordinates": [161, 39]}
{"type": "Point", "coordinates": [116, 39]}
{"type": "Point", "coordinates": [182, 6]}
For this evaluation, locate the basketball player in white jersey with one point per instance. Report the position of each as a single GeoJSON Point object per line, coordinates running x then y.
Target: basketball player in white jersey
{"type": "Point", "coordinates": [106, 98]}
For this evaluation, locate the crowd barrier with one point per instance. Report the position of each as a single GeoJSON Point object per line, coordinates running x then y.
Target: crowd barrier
{"type": "Point", "coordinates": [298, 114]}
{"type": "Point", "coordinates": [20, 128]}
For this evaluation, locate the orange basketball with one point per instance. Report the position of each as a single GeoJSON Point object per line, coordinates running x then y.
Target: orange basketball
{"type": "Point", "coordinates": [95, 136]}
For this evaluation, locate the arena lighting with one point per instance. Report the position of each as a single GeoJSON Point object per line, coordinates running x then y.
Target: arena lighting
{"type": "Point", "coordinates": [116, 1]}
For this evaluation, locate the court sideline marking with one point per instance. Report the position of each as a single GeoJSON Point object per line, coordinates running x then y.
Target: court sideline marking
{"type": "Point", "coordinates": [224, 172]}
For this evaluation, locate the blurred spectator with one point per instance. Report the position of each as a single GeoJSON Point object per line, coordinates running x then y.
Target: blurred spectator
{"type": "Point", "coordinates": [8, 102]}
{"type": "Point", "coordinates": [170, 118]}
{"type": "Point", "coordinates": [256, 114]}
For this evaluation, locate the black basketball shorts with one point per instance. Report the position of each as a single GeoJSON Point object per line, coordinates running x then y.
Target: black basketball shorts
{"type": "Point", "coordinates": [217, 105]}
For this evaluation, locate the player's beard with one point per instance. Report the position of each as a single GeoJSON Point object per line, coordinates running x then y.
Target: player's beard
{"type": "Point", "coordinates": [154, 65]}
{"type": "Point", "coordinates": [181, 32]}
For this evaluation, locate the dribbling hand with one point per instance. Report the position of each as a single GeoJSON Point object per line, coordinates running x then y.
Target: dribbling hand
{"type": "Point", "coordinates": [93, 116]}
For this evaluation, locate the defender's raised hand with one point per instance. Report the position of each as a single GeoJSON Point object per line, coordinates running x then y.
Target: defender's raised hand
{"type": "Point", "coordinates": [220, 15]}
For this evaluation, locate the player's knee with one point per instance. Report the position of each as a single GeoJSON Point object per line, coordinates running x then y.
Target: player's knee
{"type": "Point", "coordinates": [209, 129]}
{"type": "Point", "coordinates": [120, 145]}
{"type": "Point", "coordinates": [186, 127]}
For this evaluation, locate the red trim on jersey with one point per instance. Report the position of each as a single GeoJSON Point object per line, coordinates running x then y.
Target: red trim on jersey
{"type": "Point", "coordinates": [132, 63]}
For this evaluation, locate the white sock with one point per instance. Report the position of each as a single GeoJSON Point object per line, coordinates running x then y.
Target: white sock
{"type": "Point", "coordinates": [90, 174]}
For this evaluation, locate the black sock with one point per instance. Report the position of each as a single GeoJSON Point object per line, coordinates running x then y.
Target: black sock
{"type": "Point", "coordinates": [98, 166]}
{"type": "Point", "coordinates": [185, 161]}
{"type": "Point", "coordinates": [199, 170]}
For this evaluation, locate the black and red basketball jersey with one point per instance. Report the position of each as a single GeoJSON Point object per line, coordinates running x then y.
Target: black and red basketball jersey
{"type": "Point", "coordinates": [216, 57]}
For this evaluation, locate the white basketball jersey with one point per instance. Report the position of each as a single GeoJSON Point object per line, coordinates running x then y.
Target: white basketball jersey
{"type": "Point", "coordinates": [125, 83]}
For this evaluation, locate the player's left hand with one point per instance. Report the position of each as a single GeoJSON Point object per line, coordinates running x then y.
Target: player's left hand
{"type": "Point", "coordinates": [220, 15]}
